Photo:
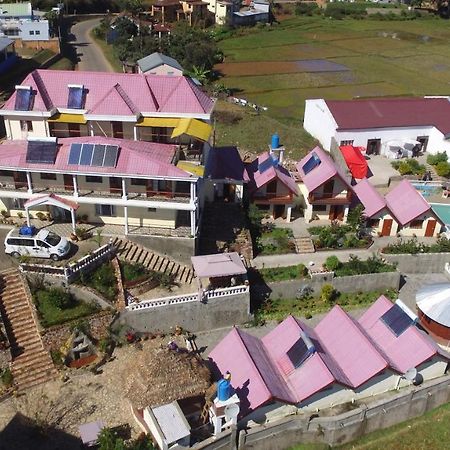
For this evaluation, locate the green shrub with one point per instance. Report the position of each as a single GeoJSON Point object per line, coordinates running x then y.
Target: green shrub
{"type": "Point", "coordinates": [306, 9]}
{"type": "Point", "coordinates": [355, 266]}
{"type": "Point", "coordinates": [404, 168]}
{"type": "Point", "coordinates": [408, 246]}
{"type": "Point", "coordinates": [283, 273]}
{"type": "Point", "coordinates": [103, 279]}
{"type": "Point", "coordinates": [133, 271]}
{"type": "Point", "coordinates": [442, 168]}
{"type": "Point", "coordinates": [332, 263]}
{"type": "Point", "coordinates": [437, 158]}
{"type": "Point", "coordinates": [57, 297]}
{"type": "Point", "coordinates": [6, 377]}
{"type": "Point", "coordinates": [328, 294]}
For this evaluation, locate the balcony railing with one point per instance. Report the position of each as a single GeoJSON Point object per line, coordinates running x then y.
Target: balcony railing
{"type": "Point", "coordinates": [329, 198]}
{"type": "Point", "coordinates": [273, 197]}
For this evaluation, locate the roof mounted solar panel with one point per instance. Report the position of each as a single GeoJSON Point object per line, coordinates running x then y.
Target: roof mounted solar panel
{"type": "Point", "coordinates": [86, 154]}
{"type": "Point", "coordinates": [311, 164]}
{"type": "Point", "coordinates": [75, 153]}
{"type": "Point", "coordinates": [111, 155]}
{"type": "Point", "coordinates": [76, 96]}
{"type": "Point", "coordinates": [98, 155]}
{"type": "Point", "coordinates": [41, 151]}
{"type": "Point", "coordinates": [397, 320]}
{"type": "Point", "coordinates": [302, 348]}
{"type": "Point", "coordinates": [24, 97]}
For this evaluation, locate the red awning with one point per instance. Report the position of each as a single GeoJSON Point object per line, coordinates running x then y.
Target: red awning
{"type": "Point", "coordinates": [355, 160]}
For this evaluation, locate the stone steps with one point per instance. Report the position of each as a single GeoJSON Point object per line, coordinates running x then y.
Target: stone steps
{"type": "Point", "coordinates": [304, 245]}
{"type": "Point", "coordinates": [134, 253]}
{"type": "Point", "coordinates": [31, 363]}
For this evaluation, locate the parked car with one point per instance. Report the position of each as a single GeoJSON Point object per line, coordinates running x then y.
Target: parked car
{"type": "Point", "coordinates": [43, 244]}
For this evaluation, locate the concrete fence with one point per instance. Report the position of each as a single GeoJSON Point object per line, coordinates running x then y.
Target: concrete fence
{"type": "Point", "coordinates": [420, 263]}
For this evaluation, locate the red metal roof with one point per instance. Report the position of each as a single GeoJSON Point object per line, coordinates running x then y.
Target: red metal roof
{"type": "Point", "coordinates": [355, 160]}
{"type": "Point", "coordinates": [391, 112]}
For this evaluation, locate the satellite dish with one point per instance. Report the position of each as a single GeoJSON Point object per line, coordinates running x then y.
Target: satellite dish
{"type": "Point", "coordinates": [410, 374]}
{"type": "Point", "coordinates": [231, 412]}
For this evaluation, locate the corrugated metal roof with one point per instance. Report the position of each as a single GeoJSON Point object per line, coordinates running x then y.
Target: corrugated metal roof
{"type": "Point", "coordinates": [157, 59]}
{"type": "Point", "coordinates": [370, 198]}
{"type": "Point", "coordinates": [434, 301]}
{"type": "Point", "coordinates": [172, 422]}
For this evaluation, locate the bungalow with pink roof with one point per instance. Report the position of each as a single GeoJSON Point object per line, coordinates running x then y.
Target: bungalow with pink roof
{"type": "Point", "coordinates": [134, 184]}
{"type": "Point", "coordinates": [340, 360]}
{"type": "Point", "coordinates": [271, 187]}
{"type": "Point", "coordinates": [156, 108]}
{"type": "Point", "coordinates": [325, 188]}
{"type": "Point", "coordinates": [403, 210]}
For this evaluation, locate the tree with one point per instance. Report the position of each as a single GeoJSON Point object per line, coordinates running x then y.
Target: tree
{"type": "Point", "coordinates": [108, 440]}
{"type": "Point", "coordinates": [200, 73]}
{"type": "Point", "coordinates": [355, 218]}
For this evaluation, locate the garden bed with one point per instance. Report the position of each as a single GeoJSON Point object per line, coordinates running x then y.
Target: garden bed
{"type": "Point", "coordinates": [103, 280]}
{"type": "Point", "coordinates": [413, 247]}
{"type": "Point", "coordinates": [276, 241]}
{"type": "Point", "coordinates": [356, 266]}
{"type": "Point", "coordinates": [283, 273]}
{"type": "Point", "coordinates": [338, 236]}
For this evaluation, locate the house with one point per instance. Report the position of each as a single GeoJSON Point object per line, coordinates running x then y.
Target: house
{"type": "Point", "coordinates": [156, 108]}
{"type": "Point", "coordinates": [8, 55]}
{"type": "Point", "coordinates": [271, 187]}
{"type": "Point", "coordinates": [18, 21]}
{"type": "Point", "coordinates": [168, 11]}
{"type": "Point", "coordinates": [223, 10]}
{"type": "Point", "coordinates": [255, 11]}
{"type": "Point", "coordinates": [134, 184]}
{"type": "Point", "coordinates": [159, 64]}
{"type": "Point", "coordinates": [403, 210]}
{"type": "Point", "coordinates": [340, 360]}
{"type": "Point", "coordinates": [326, 191]}
{"type": "Point", "coordinates": [373, 123]}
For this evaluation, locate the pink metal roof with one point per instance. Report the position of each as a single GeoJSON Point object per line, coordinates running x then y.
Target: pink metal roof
{"type": "Point", "coordinates": [408, 350]}
{"type": "Point", "coordinates": [135, 157]}
{"type": "Point", "coordinates": [322, 173]}
{"type": "Point", "coordinates": [391, 112]}
{"type": "Point", "coordinates": [370, 198]}
{"type": "Point", "coordinates": [406, 203]}
{"type": "Point", "coordinates": [117, 93]}
{"type": "Point", "coordinates": [218, 265]}
{"type": "Point", "coordinates": [351, 349]}
{"type": "Point", "coordinates": [259, 179]}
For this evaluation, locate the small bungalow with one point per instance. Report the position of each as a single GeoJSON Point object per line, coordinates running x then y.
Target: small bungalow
{"type": "Point", "coordinates": [159, 64]}
{"type": "Point", "coordinates": [271, 187]}
{"type": "Point", "coordinates": [325, 188]}
{"type": "Point", "coordinates": [340, 360]}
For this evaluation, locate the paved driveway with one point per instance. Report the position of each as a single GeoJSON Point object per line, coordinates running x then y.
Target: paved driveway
{"type": "Point", "coordinates": [89, 54]}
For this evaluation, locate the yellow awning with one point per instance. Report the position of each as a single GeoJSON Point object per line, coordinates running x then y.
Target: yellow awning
{"type": "Point", "coordinates": [195, 169]}
{"type": "Point", "coordinates": [193, 127]}
{"type": "Point", "coordinates": [164, 122]}
{"type": "Point", "coordinates": [68, 118]}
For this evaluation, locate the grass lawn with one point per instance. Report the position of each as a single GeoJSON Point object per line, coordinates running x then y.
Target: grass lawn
{"type": "Point", "coordinates": [279, 309]}
{"type": "Point", "coordinates": [108, 52]}
{"type": "Point", "coordinates": [50, 314]}
{"type": "Point", "coordinates": [276, 242]}
{"type": "Point", "coordinates": [380, 58]}
{"type": "Point", "coordinates": [283, 273]}
{"type": "Point", "coordinates": [103, 280]}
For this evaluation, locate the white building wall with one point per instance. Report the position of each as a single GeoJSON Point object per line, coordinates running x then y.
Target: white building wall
{"type": "Point", "coordinates": [319, 122]}
{"type": "Point", "coordinates": [163, 69]}
{"type": "Point", "coordinates": [34, 30]}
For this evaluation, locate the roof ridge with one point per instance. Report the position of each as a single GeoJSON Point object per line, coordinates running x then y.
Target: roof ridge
{"type": "Point", "coordinates": [155, 101]}
{"type": "Point", "coordinates": [169, 96]}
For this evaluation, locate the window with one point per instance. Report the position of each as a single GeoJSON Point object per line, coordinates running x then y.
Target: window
{"type": "Point", "coordinates": [318, 208]}
{"type": "Point", "coordinates": [92, 179]}
{"type": "Point", "coordinates": [348, 142]}
{"type": "Point", "coordinates": [48, 176]}
{"type": "Point", "coordinates": [416, 224]}
{"type": "Point", "coordinates": [42, 244]}
{"type": "Point", "coordinates": [105, 210]}
{"type": "Point", "coordinates": [117, 130]}
{"type": "Point", "coordinates": [151, 210]}
{"type": "Point", "coordinates": [37, 32]}
{"type": "Point", "coordinates": [373, 223]}
{"type": "Point", "coordinates": [6, 173]}
{"type": "Point", "coordinates": [31, 33]}
{"type": "Point", "coordinates": [19, 203]}
{"type": "Point", "coordinates": [26, 125]}
{"type": "Point", "coordinates": [138, 182]}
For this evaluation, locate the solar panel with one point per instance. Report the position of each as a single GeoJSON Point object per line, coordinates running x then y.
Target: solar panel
{"type": "Point", "coordinates": [397, 320]}
{"type": "Point", "coordinates": [75, 152]}
{"type": "Point", "coordinates": [312, 163]}
{"type": "Point", "coordinates": [23, 99]}
{"type": "Point", "coordinates": [267, 164]}
{"type": "Point", "coordinates": [99, 155]}
{"type": "Point", "coordinates": [302, 348]}
{"type": "Point", "coordinates": [86, 154]}
{"type": "Point", "coordinates": [112, 152]}
{"type": "Point", "coordinates": [41, 152]}
{"type": "Point", "coordinates": [76, 97]}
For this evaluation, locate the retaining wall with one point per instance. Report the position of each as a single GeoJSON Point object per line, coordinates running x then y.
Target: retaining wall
{"type": "Point", "coordinates": [355, 283]}
{"type": "Point", "coordinates": [193, 316]}
{"type": "Point", "coordinates": [420, 263]}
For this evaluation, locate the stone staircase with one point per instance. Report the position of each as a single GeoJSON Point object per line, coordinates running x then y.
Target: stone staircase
{"type": "Point", "coordinates": [31, 363]}
{"type": "Point", "coordinates": [304, 245]}
{"type": "Point", "coordinates": [134, 253]}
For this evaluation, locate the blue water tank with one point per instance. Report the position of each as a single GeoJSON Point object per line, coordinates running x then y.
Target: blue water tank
{"type": "Point", "coordinates": [224, 390]}
{"type": "Point", "coordinates": [275, 141]}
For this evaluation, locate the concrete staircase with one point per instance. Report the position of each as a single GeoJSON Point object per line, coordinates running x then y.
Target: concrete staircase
{"type": "Point", "coordinates": [304, 245]}
{"type": "Point", "coordinates": [31, 363]}
{"type": "Point", "coordinates": [134, 253]}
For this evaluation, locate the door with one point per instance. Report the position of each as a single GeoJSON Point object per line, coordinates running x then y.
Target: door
{"type": "Point", "coordinates": [20, 179]}
{"type": "Point", "coordinates": [271, 188]}
{"type": "Point", "coordinates": [41, 249]}
{"type": "Point", "coordinates": [387, 226]}
{"type": "Point", "coordinates": [229, 192]}
{"type": "Point", "coordinates": [431, 225]}
{"type": "Point", "coordinates": [115, 185]}
{"type": "Point", "coordinates": [68, 182]}
{"type": "Point", "coordinates": [423, 142]}
{"type": "Point", "coordinates": [117, 130]}
{"type": "Point", "coordinates": [336, 212]}
{"type": "Point", "coordinates": [278, 211]}
{"type": "Point", "coordinates": [373, 147]}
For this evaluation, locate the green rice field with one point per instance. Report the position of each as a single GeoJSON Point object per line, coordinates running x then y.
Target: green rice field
{"type": "Point", "coordinates": [315, 57]}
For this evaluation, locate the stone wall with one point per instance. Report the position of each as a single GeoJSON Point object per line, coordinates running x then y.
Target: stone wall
{"type": "Point", "coordinates": [120, 299]}
{"type": "Point", "coordinates": [56, 336]}
{"type": "Point", "coordinates": [355, 283]}
{"type": "Point", "coordinates": [193, 316]}
{"type": "Point", "coordinates": [420, 263]}
{"type": "Point", "coordinates": [178, 249]}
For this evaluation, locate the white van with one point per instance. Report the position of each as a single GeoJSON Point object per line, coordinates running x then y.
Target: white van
{"type": "Point", "coordinates": [44, 244]}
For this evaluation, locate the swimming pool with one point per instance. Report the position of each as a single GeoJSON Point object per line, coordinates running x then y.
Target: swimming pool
{"type": "Point", "coordinates": [442, 210]}
{"type": "Point", "coordinates": [427, 188]}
